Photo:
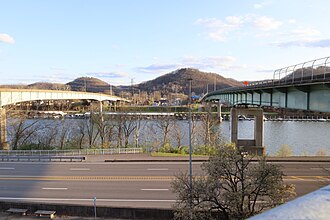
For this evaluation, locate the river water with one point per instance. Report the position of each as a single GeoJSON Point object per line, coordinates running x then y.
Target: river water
{"type": "Point", "coordinates": [303, 137]}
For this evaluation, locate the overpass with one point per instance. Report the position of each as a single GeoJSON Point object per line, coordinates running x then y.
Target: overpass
{"type": "Point", "coordinates": [304, 86]}
{"type": "Point", "coordinates": [13, 96]}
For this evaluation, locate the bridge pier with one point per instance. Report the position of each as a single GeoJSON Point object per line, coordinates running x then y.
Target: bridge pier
{"type": "Point", "coordinates": [219, 111]}
{"type": "Point", "coordinates": [3, 130]}
{"type": "Point", "coordinates": [208, 108]}
{"type": "Point", "coordinates": [252, 146]}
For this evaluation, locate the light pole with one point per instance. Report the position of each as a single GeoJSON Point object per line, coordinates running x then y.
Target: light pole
{"type": "Point", "coordinates": [190, 147]}
{"type": "Point", "coordinates": [215, 82]}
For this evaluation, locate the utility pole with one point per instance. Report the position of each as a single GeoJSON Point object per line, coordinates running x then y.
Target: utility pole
{"type": "Point", "coordinates": [190, 149]}
{"type": "Point", "coordinates": [132, 88]}
{"type": "Point", "coordinates": [110, 89]}
{"type": "Point", "coordinates": [215, 82]}
{"type": "Point", "coordinates": [139, 102]}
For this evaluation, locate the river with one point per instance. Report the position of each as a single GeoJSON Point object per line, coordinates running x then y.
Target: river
{"type": "Point", "coordinates": [303, 137]}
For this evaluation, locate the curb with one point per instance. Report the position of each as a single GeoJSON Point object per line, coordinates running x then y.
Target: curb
{"type": "Point", "coordinates": [154, 160]}
{"type": "Point", "coordinates": [205, 160]}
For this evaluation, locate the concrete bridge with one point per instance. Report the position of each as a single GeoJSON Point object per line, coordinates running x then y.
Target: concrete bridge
{"type": "Point", "coordinates": [298, 86]}
{"type": "Point", "coordinates": [13, 96]}
{"type": "Point", "coordinates": [304, 86]}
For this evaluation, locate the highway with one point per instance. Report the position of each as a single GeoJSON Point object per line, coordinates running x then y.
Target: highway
{"type": "Point", "coordinates": [125, 184]}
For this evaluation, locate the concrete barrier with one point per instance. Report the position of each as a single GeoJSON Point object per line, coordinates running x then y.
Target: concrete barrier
{"type": "Point", "coordinates": [88, 211]}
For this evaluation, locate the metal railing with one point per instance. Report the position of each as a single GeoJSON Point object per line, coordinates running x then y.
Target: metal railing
{"type": "Point", "coordinates": [74, 152]}
{"type": "Point", "coordinates": [310, 69]}
{"type": "Point", "coordinates": [41, 158]}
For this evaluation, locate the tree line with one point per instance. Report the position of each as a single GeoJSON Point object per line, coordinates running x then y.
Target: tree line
{"type": "Point", "coordinates": [165, 134]}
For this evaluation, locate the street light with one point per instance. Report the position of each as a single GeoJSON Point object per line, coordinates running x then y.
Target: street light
{"type": "Point", "coordinates": [190, 147]}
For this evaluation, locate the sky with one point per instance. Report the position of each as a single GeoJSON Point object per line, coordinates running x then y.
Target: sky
{"type": "Point", "coordinates": [120, 41]}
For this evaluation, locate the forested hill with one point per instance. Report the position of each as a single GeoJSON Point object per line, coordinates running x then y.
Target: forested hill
{"type": "Point", "coordinates": [174, 82]}
{"type": "Point", "coordinates": [177, 82]}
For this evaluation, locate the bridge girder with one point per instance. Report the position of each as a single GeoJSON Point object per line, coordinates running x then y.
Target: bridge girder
{"type": "Point", "coordinates": [12, 96]}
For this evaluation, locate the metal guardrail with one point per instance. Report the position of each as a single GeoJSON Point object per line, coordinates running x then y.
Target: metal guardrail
{"type": "Point", "coordinates": [73, 152]}
{"type": "Point", "coordinates": [40, 158]}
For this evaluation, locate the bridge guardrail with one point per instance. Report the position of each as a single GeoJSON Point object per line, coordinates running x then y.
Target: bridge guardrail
{"type": "Point", "coordinates": [74, 152]}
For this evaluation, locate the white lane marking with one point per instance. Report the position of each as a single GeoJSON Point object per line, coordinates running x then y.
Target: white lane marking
{"type": "Point", "coordinates": [102, 200]}
{"type": "Point", "coordinates": [154, 189]}
{"type": "Point", "coordinates": [157, 169]}
{"type": "Point", "coordinates": [55, 188]}
{"type": "Point", "coordinates": [80, 169]}
{"type": "Point", "coordinates": [7, 168]}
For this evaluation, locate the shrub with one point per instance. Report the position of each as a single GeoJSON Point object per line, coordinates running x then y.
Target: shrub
{"type": "Point", "coordinates": [321, 152]}
{"type": "Point", "coordinates": [284, 151]}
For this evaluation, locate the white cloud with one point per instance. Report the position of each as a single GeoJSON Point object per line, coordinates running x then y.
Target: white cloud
{"type": "Point", "coordinates": [218, 30]}
{"type": "Point", "coordinates": [322, 43]}
{"type": "Point", "coordinates": [234, 21]}
{"type": "Point", "coordinates": [292, 21]}
{"type": "Point", "coordinates": [110, 75]}
{"type": "Point", "coordinates": [263, 69]}
{"type": "Point", "coordinates": [261, 4]}
{"type": "Point", "coordinates": [257, 6]}
{"type": "Point", "coordinates": [212, 63]}
{"type": "Point", "coordinates": [305, 33]}
{"type": "Point", "coordinates": [157, 68]}
{"type": "Point", "coordinates": [303, 37]}
{"type": "Point", "coordinates": [266, 24]}
{"type": "Point", "coordinates": [6, 38]}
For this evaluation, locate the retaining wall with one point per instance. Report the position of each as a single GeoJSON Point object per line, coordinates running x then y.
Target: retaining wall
{"type": "Point", "coordinates": [88, 211]}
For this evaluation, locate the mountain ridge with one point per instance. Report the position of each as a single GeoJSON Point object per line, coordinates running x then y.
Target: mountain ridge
{"type": "Point", "coordinates": [173, 82]}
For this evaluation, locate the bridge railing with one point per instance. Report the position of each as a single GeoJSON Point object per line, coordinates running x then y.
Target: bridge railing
{"type": "Point", "coordinates": [311, 71]}
{"type": "Point", "coordinates": [74, 152]}
{"type": "Point", "coordinates": [317, 69]}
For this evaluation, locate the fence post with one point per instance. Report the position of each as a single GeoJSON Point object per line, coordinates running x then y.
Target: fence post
{"type": "Point", "coordinates": [94, 201]}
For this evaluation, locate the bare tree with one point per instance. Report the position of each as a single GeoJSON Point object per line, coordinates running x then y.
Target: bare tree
{"type": "Point", "coordinates": [129, 125]}
{"type": "Point", "coordinates": [81, 133]}
{"type": "Point", "coordinates": [92, 133]}
{"type": "Point", "coordinates": [111, 132]}
{"type": "Point", "coordinates": [165, 124]}
{"type": "Point", "coordinates": [139, 125]}
{"type": "Point", "coordinates": [119, 130]}
{"type": "Point", "coordinates": [177, 133]}
{"type": "Point", "coordinates": [22, 130]}
{"type": "Point", "coordinates": [152, 139]}
{"type": "Point", "coordinates": [47, 138]}
{"type": "Point", "coordinates": [233, 188]}
{"type": "Point", "coordinates": [101, 126]}
{"type": "Point", "coordinates": [211, 134]}
{"type": "Point", "coordinates": [63, 135]}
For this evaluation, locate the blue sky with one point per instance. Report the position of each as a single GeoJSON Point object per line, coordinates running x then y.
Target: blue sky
{"type": "Point", "coordinates": [120, 40]}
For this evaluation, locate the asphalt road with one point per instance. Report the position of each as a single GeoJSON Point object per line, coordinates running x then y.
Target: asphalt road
{"type": "Point", "coordinates": [129, 184]}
